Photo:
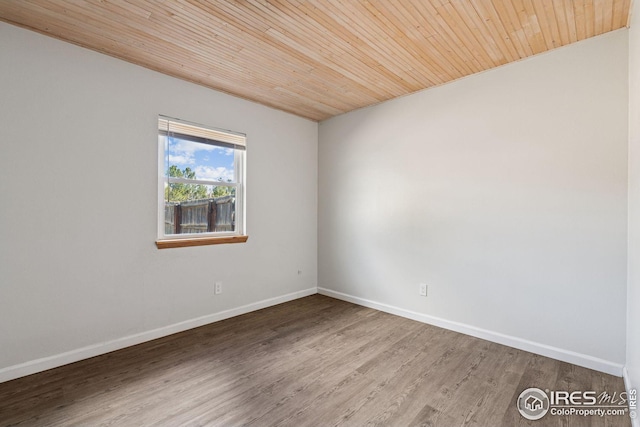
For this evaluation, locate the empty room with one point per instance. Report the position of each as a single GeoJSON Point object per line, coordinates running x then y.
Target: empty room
{"type": "Point", "coordinates": [319, 213]}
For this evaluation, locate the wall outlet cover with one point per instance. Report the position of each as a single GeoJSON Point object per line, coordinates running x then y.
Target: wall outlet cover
{"type": "Point", "coordinates": [423, 289]}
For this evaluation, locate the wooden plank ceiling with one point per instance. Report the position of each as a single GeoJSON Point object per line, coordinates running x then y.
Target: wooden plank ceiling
{"type": "Point", "coordinates": [319, 58]}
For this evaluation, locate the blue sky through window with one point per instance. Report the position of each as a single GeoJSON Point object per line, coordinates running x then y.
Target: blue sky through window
{"type": "Point", "coordinates": [208, 161]}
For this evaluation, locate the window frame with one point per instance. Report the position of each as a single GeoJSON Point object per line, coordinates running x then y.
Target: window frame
{"type": "Point", "coordinates": [239, 152]}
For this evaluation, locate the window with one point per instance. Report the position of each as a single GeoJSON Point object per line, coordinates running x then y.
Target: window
{"type": "Point", "coordinates": [200, 184]}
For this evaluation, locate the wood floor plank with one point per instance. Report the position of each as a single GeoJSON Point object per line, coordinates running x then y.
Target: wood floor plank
{"type": "Point", "coordinates": [315, 361]}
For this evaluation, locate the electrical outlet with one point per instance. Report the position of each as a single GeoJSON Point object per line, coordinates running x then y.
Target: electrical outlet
{"type": "Point", "coordinates": [218, 288]}
{"type": "Point", "coordinates": [423, 289]}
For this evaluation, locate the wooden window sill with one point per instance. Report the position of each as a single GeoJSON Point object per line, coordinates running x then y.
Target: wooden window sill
{"type": "Point", "coordinates": [199, 241]}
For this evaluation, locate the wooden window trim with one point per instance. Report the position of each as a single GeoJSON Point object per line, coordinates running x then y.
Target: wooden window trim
{"type": "Point", "coordinates": [199, 241]}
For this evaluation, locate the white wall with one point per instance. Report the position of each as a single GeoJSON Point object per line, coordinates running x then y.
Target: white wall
{"type": "Point", "coordinates": [505, 191]}
{"type": "Point", "coordinates": [633, 285]}
{"type": "Point", "coordinates": [78, 262]}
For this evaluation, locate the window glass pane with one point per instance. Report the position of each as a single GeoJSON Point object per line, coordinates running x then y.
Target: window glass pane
{"type": "Point", "coordinates": [192, 208]}
{"type": "Point", "coordinates": [176, 192]}
{"type": "Point", "coordinates": [193, 160]}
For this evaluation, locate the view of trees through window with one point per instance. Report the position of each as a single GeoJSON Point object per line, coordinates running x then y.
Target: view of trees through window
{"type": "Point", "coordinates": [180, 192]}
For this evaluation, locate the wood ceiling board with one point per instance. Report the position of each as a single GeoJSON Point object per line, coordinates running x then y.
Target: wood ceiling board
{"type": "Point", "coordinates": [319, 58]}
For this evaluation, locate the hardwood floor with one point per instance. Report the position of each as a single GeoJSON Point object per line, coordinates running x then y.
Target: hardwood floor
{"type": "Point", "coordinates": [315, 361]}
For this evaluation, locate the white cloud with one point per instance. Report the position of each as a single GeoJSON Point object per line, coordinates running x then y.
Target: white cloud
{"type": "Point", "coordinates": [214, 174]}
{"type": "Point", "coordinates": [189, 147]}
{"type": "Point", "coordinates": [183, 153]}
{"type": "Point", "coordinates": [181, 160]}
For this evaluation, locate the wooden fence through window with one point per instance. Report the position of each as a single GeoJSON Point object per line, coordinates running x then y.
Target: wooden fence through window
{"type": "Point", "coordinates": [200, 216]}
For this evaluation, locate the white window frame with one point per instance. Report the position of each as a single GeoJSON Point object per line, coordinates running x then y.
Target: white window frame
{"type": "Point", "coordinates": [222, 138]}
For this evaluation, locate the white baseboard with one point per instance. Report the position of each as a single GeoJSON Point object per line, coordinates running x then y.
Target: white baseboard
{"type": "Point", "coordinates": [54, 361]}
{"type": "Point", "coordinates": [39, 365]}
{"type": "Point", "coordinates": [635, 422]}
{"type": "Point", "coordinates": [511, 341]}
